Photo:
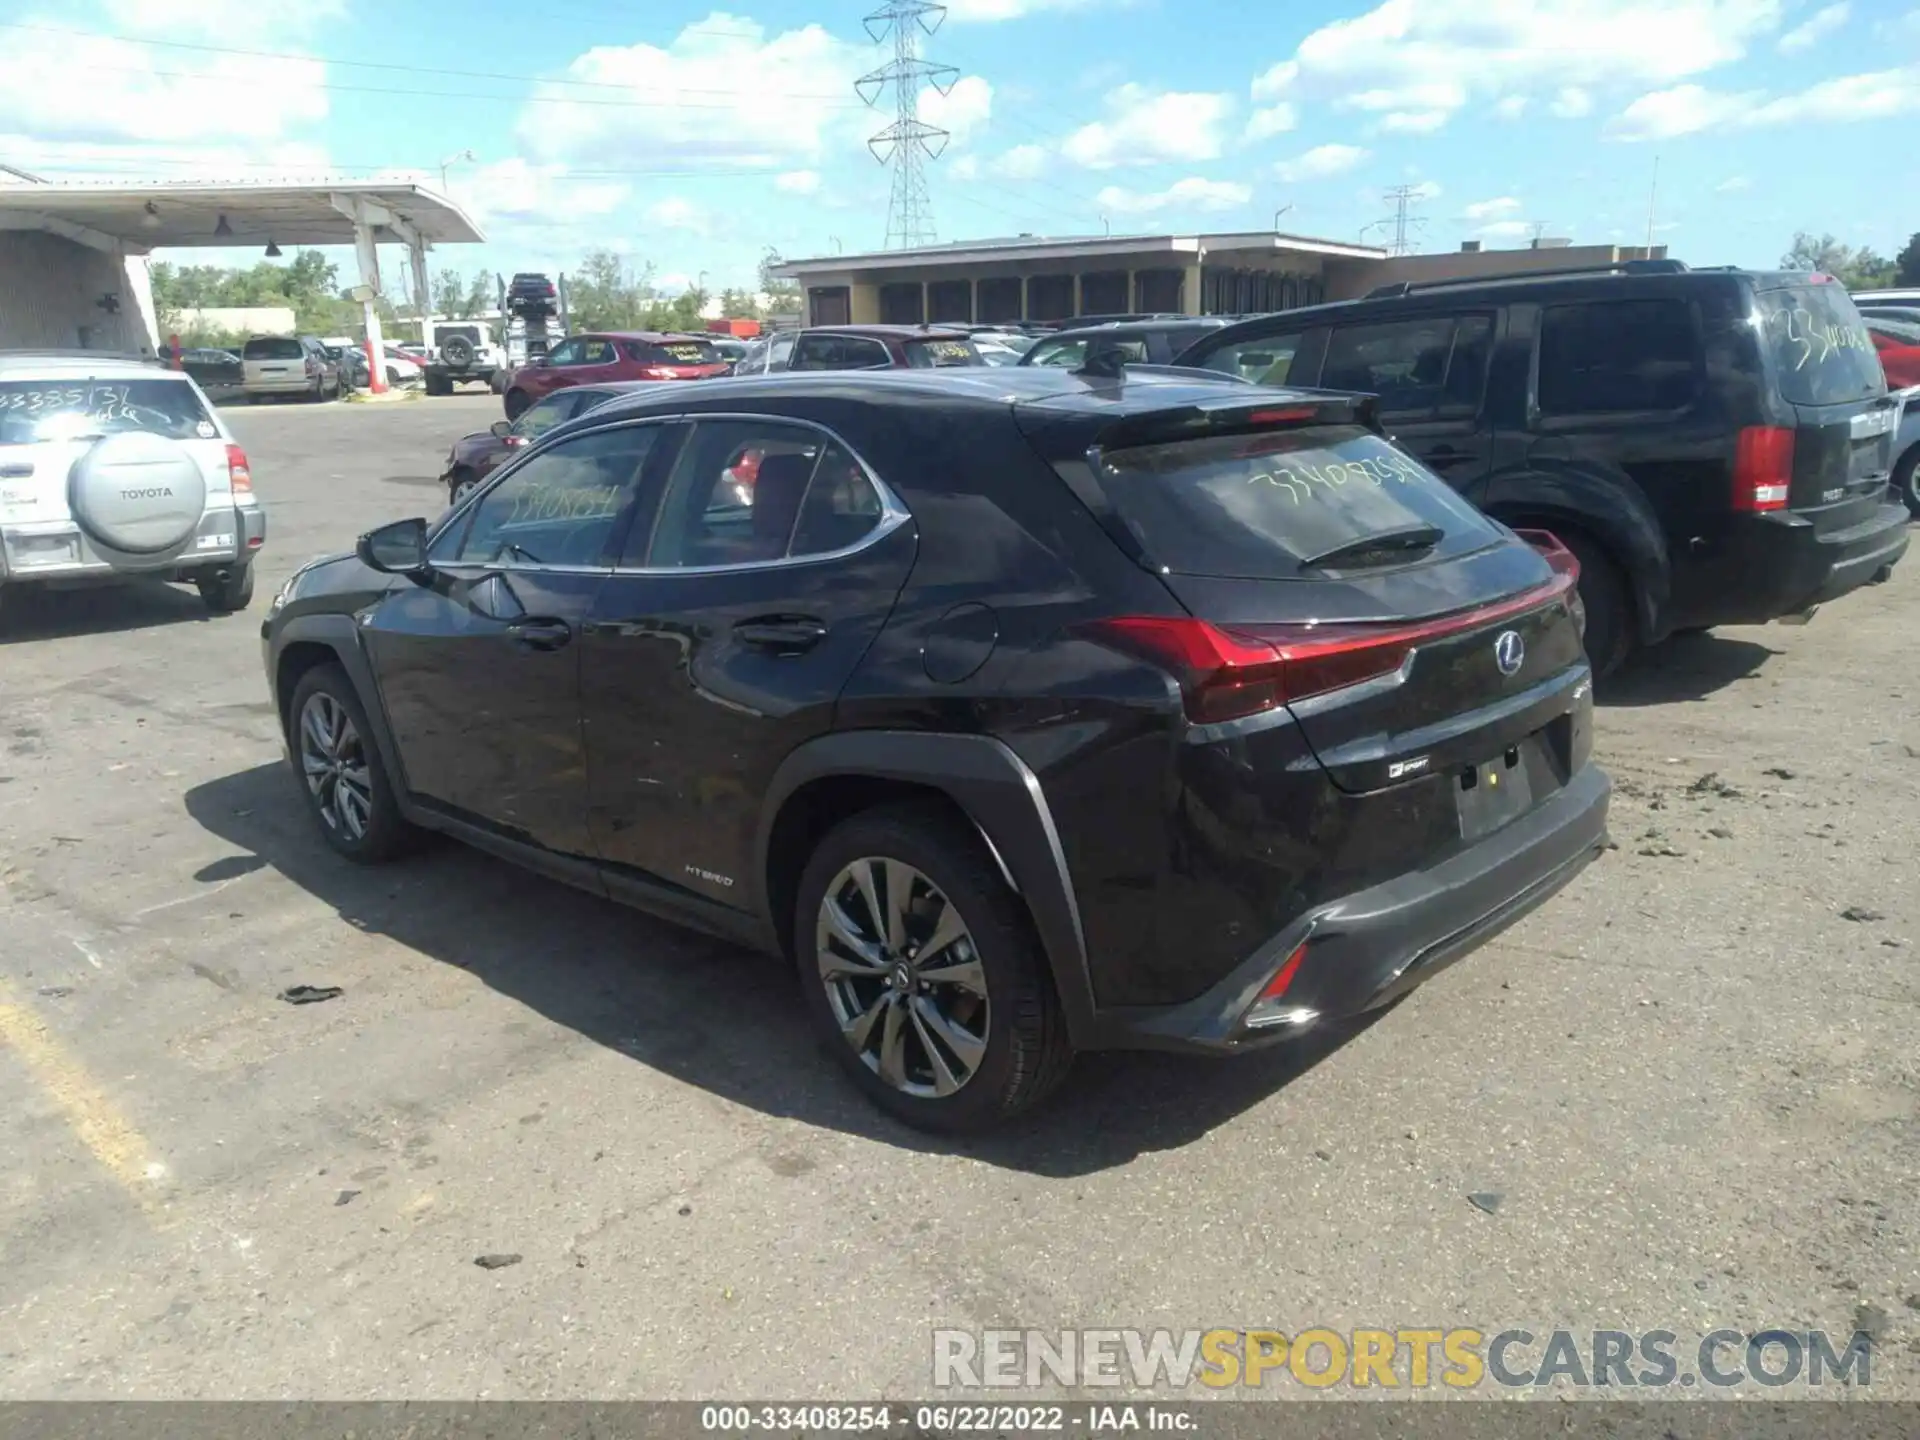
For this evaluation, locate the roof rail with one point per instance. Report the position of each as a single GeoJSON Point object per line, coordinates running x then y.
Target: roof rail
{"type": "Point", "coordinates": [1619, 267]}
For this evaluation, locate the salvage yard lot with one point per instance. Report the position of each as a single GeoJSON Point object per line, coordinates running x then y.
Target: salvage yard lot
{"type": "Point", "coordinates": [1692, 1080]}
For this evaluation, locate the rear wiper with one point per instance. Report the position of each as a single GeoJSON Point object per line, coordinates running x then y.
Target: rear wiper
{"type": "Point", "coordinates": [1412, 537]}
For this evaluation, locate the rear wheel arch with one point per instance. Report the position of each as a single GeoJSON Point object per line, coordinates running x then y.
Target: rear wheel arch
{"type": "Point", "coordinates": [1906, 478]}
{"type": "Point", "coordinates": [975, 778]}
{"type": "Point", "coordinates": [1624, 530]}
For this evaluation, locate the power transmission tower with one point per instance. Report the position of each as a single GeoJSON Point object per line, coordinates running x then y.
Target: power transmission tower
{"type": "Point", "coordinates": [1406, 225]}
{"type": "Point", "coordinates": [909, 141]}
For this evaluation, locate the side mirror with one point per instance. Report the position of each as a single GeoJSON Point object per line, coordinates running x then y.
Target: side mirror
{"type": "Point", "coordinates": [396, 549]}
{"type": "Point", "coordinates": [500, 429]}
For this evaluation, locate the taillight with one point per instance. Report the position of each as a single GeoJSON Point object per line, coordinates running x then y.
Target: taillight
{"type": "Point", "coordinates": [1268, 1008]}
{"type": "Point", "coordinates": [239, 473]}
{"type": "Point", "coordinates": [514, 442]}
{"type": "Point", "coordinates": [1762, 467]}
{"type": "Point", "coordinates": [1228, 673]}
{"type": "Point", "coordinates": [658, 372]}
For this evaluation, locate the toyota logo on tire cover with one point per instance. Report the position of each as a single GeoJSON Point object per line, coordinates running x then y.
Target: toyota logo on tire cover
{"type": "Point", "coordinates": [1509, 652]}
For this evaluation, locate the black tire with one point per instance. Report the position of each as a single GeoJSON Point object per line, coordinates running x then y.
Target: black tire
{"type": "Point", "coordinates": [1027, 1052]}
{"type": "Point", "coordinates": [459, 482]}
{"type": "Point", "coordinates": [516, 403]}
{"type": "Point", "coordinates": [386, 832]}
{"type": "Point", "coordinates": [457, 351]}
{"type": "Point", "coordinates": [225, 596]}
{"type": "Point", "coordinates": [438, 384]}
{"type": "Point", "coordinates": [1906, 480]}
{"type": "Point", "coordinates": [1603, 591]}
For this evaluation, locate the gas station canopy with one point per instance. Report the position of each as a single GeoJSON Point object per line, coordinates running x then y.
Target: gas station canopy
{"type": "Point", "coordinates": [139, 218]}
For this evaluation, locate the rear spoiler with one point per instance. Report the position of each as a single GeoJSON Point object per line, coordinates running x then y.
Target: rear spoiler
{"type": "Point", "coordinates": [1239, 414]}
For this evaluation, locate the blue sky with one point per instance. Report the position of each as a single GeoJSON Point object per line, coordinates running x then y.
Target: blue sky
{"type": "Point", "coordinates": [692, 138]}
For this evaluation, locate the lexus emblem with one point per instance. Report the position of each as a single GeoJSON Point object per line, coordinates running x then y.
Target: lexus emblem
{"type": "Point", "coordinates": [1509, 652]}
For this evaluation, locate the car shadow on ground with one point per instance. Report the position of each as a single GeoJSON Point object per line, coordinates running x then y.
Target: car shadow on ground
{"type": "Point", "coordinates": [1687, 667]}
{"type": "Point", "coordinates": [706, 1012]}
{"type": "Point", "coordinates": [30, 613]}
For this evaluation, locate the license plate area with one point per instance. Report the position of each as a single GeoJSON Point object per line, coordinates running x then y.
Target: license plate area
{"type": "Point", "coordinates": [1493, 793]}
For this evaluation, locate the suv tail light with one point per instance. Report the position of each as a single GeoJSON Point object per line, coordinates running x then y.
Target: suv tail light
{"type": "Point", "coordinates": [1231, 673]}
{"type": "Point", "coordinates": [1762, 468]}
{"type": "Point", "coordinates": [239, 473]}
{"type": "Point", "coordinates": [658, 372]}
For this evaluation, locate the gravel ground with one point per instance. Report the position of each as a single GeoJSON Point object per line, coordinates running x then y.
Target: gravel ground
{"type": "Point", "coordinates": [1690, 1082]}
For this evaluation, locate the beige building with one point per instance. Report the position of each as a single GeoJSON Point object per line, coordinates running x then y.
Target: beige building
{"type": "Point", "coordinates": [1035, 278]}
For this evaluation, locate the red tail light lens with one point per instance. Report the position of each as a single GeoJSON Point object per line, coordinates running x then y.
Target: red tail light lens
{"type": "Point", "coordinates": [658, 372]}
{"type": "Point", "coordinates": [239, 473]}
{"type": "Point", "coordinates": [1283, 977]}
{"type": "Point", "coordinates": [1228, 673]}
{"type": "Point", "coordinates": [514, 442]}
{"type": "Point", "coordinates": [1762, 468]}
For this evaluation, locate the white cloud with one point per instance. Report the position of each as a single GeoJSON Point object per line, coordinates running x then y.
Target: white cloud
{"type": "Point", "coordinates": [1022, 162]}
{"type": "Point", "coordinates": [1511, 108]}
{"type": "Point", "coordinates": [1321, 161]}
{"type": "Point", "coordinates": [1491, 209]}
{"type": "Point", "coordinates": [1271, 120]}
{"type": "Point", "coordinates": [1192, 194]}
{"type": "Point", "coordinates": [1690, 109]}
{"type": "Point", "coordinates": [1572, 102]}
{"type": "Point", "coordinates": [1815, 28]}
{"type": "Point", "coordinates": [966, 167]}
{"type": "Point", "coordinates": [674, 213]}
{"type": "Point", "coordinates": [1504, 229]}
{"type": "Point", "coordinates": [723, 91]}
{"type": "Point", "coordinates": [962, 110]}
{"type": "Point", "coordinates": [667, 284]}
{"type": "Point", "coordinates": [1732, 184]}
{"type": "Point", "coordinates": [797, 182]}
{"type": "Point", "coordinates": [1146, 127]}
{"type": "Point", "coordinates": [1427, 190]}
{"type": "Point", "coordinates": [517, 191]}
{"type": "Point", "coordinates": [1386, 60]}
{"type": "Point", "coordinates": [101, 88]}
{"type": "Point", "coordinates": [1413, 122]}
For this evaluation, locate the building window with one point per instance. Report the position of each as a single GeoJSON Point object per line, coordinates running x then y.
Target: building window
{"type": "Point", "coordinates": [1050, 297]}
{"type": "Point", "coordinates": [1159, 292]}
{"type": "Point", "coordinates": [950, 302]}
{"type": "Point", "coordinates": [829, 305]}
{"type": "Point", "coordinates": [1000, 300]}
{"type": "Point", "coordinates": [1225, 291]}
{"type": "Point", "coordinates": [902, 304]}
{"type": "Point", "coordinates": [1104, 293]}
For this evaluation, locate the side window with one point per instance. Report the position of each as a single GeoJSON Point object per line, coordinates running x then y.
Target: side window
{"type": "Point", "coordinates": [779, 355]}
{"type": "Point", "coordinates": [1064, 353]}
{"type": "Point", "coordinates": [1466, 384]}
{"type": "Point", "coordinates": [597, 352]}
{"type": "Point", "coordinates": [1403, 362]}
{"type": "Point", "coordinates": [558, 508]}
{"type": "Point", "coordinates": [841, 508]}
{"type": "Point", "coordinates": [1617, 357]}
{"type": "Point", "coordinates": [816, 352]}
{"type": "Point", "coordinates": [736, 493]}
{"type": "Point", "coordinates": [1265, 361]}
{"type": "Point", "coordinates": [567, 352]}
{"type": "Point", "coordinates": [543, 415]}
{"type": "Point", "coordinates": [862, 354]}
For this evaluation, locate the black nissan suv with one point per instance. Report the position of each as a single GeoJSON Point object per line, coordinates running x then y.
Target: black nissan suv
{"type": "Point", "coordinates": [1023, 710]}
{"type": "Point", "coordinates": [1715, 445]}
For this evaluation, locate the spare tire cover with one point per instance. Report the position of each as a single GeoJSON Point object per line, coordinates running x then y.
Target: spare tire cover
{"type": "Point", "coordinates": [457, 350]}
{"type": "Point", "coordinates": [138, 494]}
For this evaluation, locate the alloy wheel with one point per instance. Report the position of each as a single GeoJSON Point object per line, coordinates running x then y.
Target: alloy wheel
{"type": "Point", "coordinates": [334, 762]}
{"type": "Point", "coordinates": [903, 977]}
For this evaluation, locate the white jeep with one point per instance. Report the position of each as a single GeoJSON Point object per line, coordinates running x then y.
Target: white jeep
{"type": "Point", "coordinates": [465, 350]}
{"type": "Point", "coordinates": [114, 469]}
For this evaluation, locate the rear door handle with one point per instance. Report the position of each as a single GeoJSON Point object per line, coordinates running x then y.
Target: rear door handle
{"type": "Point", "coordinates": [540, 634]}
{"type": "Point", "coordinates": [784, 634]}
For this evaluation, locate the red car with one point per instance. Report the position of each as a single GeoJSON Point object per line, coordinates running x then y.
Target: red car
{"type": "Point", "coordinates": [1900, 360]}
{"type": "Point", "coordinates": [599, 358]}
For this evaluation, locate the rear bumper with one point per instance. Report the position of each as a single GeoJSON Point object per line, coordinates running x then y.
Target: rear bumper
{"type": "Point", "coordinates": [1369, 948]}
{"type": "Point", "coordinates": [1778, 565]}
{"type": "Point", "coordinates": [279, 385]}
{"type": "Point", "coordinates": [60, 550]}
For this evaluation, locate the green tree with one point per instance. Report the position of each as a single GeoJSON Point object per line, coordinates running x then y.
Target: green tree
{"type": "Point", "coordinates": [1907, 263]}
{"type": "Point", "coordinates": [783, 296]}
{"type": "Point", "coordinates": [1859, 269]}
{"type": "Point", "coordinates": [605, 293]}
{"type": "Point", "coordinates": [449, 293]}
{"type": "Point", "coordinates": [483, 294]}
{"type": "Point", "coordinates": [739, 305]}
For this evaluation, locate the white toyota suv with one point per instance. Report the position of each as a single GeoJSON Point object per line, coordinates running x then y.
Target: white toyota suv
{"type": "Point", "coordinates": [115, 469]}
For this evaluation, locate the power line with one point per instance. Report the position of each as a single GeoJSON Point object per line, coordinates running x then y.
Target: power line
{"type": "Point", "coordinates": [908, 140]}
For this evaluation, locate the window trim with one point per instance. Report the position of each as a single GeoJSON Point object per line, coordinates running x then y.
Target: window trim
{"type": "Point", "coordinates": [893, 512]}
{"type": "Point", "coordinates": [1544, 421]}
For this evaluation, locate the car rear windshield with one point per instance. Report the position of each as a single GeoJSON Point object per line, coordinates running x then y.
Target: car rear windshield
{"type": "Point", "coordinates": [676, 352]}
{"type": "Point", "coordinates": [1257, 506]}
{"type": "Point", "coordinates": [1821, 348]}
{"type": "Point", "coordinates": [934, 354]}
{"type": "Point", "coordinates": [273, 348]}
{"type": "Point", "coordinates": [33, 411]}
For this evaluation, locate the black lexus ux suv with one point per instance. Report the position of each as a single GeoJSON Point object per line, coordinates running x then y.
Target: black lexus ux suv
{"type": "Point", "coordinates": [1024, 711]}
